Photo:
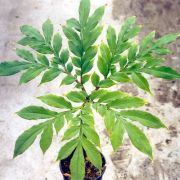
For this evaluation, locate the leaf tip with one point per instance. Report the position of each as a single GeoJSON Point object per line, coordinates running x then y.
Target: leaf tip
{"type": "Point", "coordinates": [15, 155]}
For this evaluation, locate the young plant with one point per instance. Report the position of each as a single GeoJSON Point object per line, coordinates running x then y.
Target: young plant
{"type": "Point", "coordinates": [120, 60]}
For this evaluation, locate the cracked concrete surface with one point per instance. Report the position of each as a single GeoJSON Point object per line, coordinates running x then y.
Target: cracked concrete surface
{"type": "Point", "coordinates": [127, 163]}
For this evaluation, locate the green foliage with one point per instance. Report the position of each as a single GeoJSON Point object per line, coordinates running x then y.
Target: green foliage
{"type": "Point", "coordinates": [127, 102]}
{"type": "Point", "coordinates": [138, 139]}
{"type": "Point", "coordinates": [78, 171]}
{"type": "Point", "coordinates": [59, 123]}
{"type": "Point", "coordinates": [26, 55]}
{"type": "Point", "coordinates": [36, 112]}
{"type": "Point", "coordinates": [26, 139]}
{"type": "Point", "coordinates": [91, 134]}
{"type": "Point", "coordinates": [92, 153]}
{"type": "Point", "coordinates": [57, 43]}
{"type": "Point", "coordinates": [13, 67]}
{"type": "Point", "coordinates": [50, 75]}
{"type": "Point", "coordinates": [55, 101]}
{"type": "Point", "coordinates": [30, 74]}
{"type": "Point", "coordinates": [142, 117]}
{"type": "Point", "coordinates": [67, 149]}
{"type": "Point", "coordinates": [47, 28]}
{"type": "Point", "coordinates": [117, 134]}
{"type": "Point", "coordinates": [163, 72]}
{"type": "Point", "coordinates": [95, 79]}
{"type": "Point", "coordinates": [69, 79]}
{"type": "Point", "coordinates": [76, 96]}
{"type": "Point", "coordinates": [46, 137]}
{"type": "Point", "coordinates": [141, 81]}
{"type": "Point", "coordinates": [71, 132]}
{"type": "Point", "coordinates": [119, 60]}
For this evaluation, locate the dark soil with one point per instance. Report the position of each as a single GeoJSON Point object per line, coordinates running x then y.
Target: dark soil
{"type": "Point", "coordinates": [91, 172]}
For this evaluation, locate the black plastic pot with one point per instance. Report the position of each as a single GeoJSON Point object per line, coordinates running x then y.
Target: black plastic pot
{"type": "Point", "coordinates": [64, 169]}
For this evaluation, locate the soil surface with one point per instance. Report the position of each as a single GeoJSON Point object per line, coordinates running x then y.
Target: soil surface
{"type": "Point", "coordinates": [91, 172]}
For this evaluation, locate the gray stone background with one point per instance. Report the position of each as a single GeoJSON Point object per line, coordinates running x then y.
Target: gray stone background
{"type": "Point", "coordinates": [160, 15]}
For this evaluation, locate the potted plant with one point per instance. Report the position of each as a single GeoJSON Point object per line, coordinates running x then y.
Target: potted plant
{"type": "Point", "coordinates": [119, 60]}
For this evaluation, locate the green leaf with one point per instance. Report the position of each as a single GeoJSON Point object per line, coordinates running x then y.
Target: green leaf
{"type": "Point", "coordinates": [87, 109]}
{"type": "Point", "coordinates": [29, 41]}
{"type": "Point", "coordinates": [92, 153]}
{"type": "Point", "coordinates": [111, 39]}
{"type": "Point", "coordinates": [91, 37]}
{"type": "Point", "coordinates": [59, 123]}
{"type": "Point", "coordinates": [95, 79]}
{"type": "Point", "coordinates": [24, 54]}
{"type": "Point", "coordinates": [146, 42]}
{"type": "Point", "coordinates": [67, 149]}
{"type": "Point", "coordinates": [106, 83]}
{"type": "Point", "coordinates": [105, 53]}
{"type": "Point", "coordinates": [84, 10]}
{"type": "Point", "coordinates": [100, 109]}
{"type": "Point", "coordinates": [127, 25]}
{"type": "Point", "coordinates": [46, 138]}
{"type": "Point", "coordinates": [144, 118]}
{"type": "Point", "coordinates": [30, 74]}
{"type": "Point", "coordinates": [76, 49]}
{"type": "Point", "coordinates": [76, 96]}
{"type": "Point", "coordinates": [55, 101]}
{"type": "Point", "coordinates": [77, 164]}
{"type": "Point", "coordinates": [26, 139]}
{"type": "Point", "coordinates": [102, 66]}
{"type": "Point", "coordinates": [43, 59]}
{"type": "Point", "coordinates": [163, 72]}
{"type": "Point", "coordinates": [47, 28]}
{"type": "Point", "coordinates": [97, 94]}
{"type": "Point", "coordinates": [87, 66]}
{"type": "Point", "coordinates": [57, 43]}
{"type": "Point", "coordinates": [120, 77]}
{"type": "Point", "coordinates": [68, 80]}
{"type": "Point", "coordinates": [132, 53]}
{"type": "Point", "coordinates": [87, 119]}
{"type": "Point", "coordinates": [73, 23]}
{"type": "Point", "coordinates": [76, 62]}
{"type": "Point", "coordinates": [90, 53]}
{"type": "Point", "coordinates": [13, 67]}
{"type": "Point", "coordinates": [71, 35]}
{"type": "Point", "coordinates": [95, 18]}
{"type": "Point", "coordinates": [122, 47]}
{"type": "Point", "coordinates": [117, 134]}
{"type": "Point", "coordinates": [64, 56]}
{"type": "Point", "coordinates": [110, 96]}
{"type": "Point", "coordinates": [132, 33]}
{"type": "Point", "coordinates": [127, 102]}
{"type": "Point", "coordinates": [36, 112]}
{"type": "Point", "coordinates": [109, 120]}
{"type": "Point", "coordinates": [43, 49]}
{"type": "Point", "coordinates": [169, 38]}
{"type": "Point", "coordinates": [50, 75]}
{"type": "Point", "coordinates": [69, 116]}
{"type": "Point", "coordinates": [152, 62]}
{"type": "Point", "coordinates": [141, 81]}
{"type": "Point", "coordinates": [31, 32]}
{"type": "Point", "coordinates": [69, 67]}
{"type": "Point", "coordinates": [138, 139]}
{"type": "Point", "coordinates": [85, 78]}
{"type": "Point", "coordinates": [71, 132]}
{"type": "Point", "coordinates": [91, 135]}
{"type": "Point", "coordinates": [162, 51]}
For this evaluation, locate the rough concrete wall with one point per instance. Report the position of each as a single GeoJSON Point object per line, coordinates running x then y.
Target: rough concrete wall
{"type": "Point", "coordinates": [127, 163]}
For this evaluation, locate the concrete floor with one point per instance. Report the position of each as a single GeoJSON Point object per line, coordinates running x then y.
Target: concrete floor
{"type": "Point", "coordinates": [127, 163]}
